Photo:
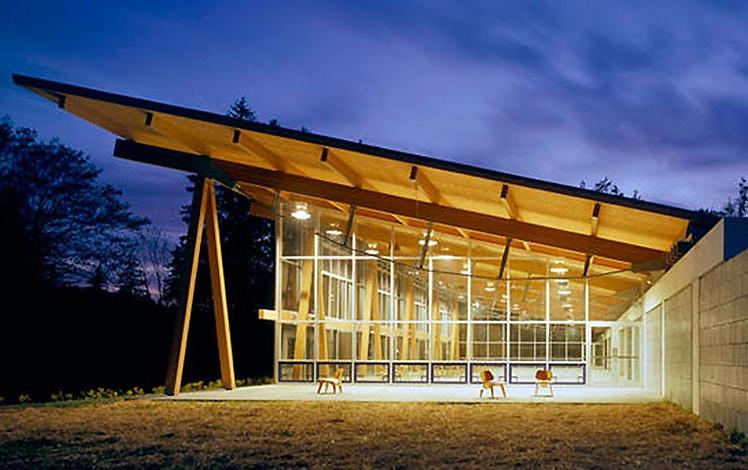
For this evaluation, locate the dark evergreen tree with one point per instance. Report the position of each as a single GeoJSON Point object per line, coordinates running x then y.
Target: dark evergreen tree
{"type": "Point", "coordinates": [240, 110]}
{"type": "Point", "coordinates": [737, 206]}
{"type": "Point", "coordinates": [607, 186]}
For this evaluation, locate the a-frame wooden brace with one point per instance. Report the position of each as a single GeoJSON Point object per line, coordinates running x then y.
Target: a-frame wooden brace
{"type": "Point", "coordinates": [203, 214]}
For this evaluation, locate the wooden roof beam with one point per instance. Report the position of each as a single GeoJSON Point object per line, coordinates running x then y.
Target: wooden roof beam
{"type": "Point", "coordinates": [509, 205]}
{"type": "Point", "coordinates": [429, 188]}
{"type": "Point", "coordinates": [463, 232]}
{"type": "Point", "coordinates": [594, 222]}
{"type": "Point", "coordinates": [255, 148]}
{"type": "Point", "coordinates": [341, 167]}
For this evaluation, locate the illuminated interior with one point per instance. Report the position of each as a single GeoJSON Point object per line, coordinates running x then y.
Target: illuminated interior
{"type": "Point", "coordinates": [400, 304]}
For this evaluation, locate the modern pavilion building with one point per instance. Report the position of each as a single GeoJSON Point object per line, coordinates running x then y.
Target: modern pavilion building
{"type": "Point", "coordinates": [400, 268]}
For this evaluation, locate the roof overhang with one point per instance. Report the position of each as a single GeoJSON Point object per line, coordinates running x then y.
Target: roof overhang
{"type": "Point", "coordinates": [262, 161]}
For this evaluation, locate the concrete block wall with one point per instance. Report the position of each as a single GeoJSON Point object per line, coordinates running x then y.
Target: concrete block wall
{"type": "Point", "coordinates": [723, 344]}
{"type": "Point", "coordinates": [678, 349]}
{"type": "Point", "coordinates": [653, 358]}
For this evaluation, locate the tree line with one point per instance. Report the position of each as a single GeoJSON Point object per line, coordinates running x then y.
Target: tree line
{"type": "Point", "coordinates": [90, 289]}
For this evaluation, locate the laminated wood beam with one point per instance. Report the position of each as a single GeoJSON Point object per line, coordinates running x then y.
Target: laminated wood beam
{"type": "Point", "coordinates": [341, 167]}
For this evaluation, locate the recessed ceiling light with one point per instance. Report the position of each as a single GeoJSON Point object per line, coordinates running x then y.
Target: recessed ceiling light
{"type": "Point", "coordinates": [301, 212]}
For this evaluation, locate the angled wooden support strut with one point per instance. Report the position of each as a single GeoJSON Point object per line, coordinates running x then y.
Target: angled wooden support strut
{"type": "Point", "coordinates": [425, 245]}
{"type": "Point", "coordinates": [504, 257]}
{"type": "Point", "coordinates": [203, 212]}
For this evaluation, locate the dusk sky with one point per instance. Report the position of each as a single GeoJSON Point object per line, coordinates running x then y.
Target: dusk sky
{"type": "Point", "coordinates": [651, 94]}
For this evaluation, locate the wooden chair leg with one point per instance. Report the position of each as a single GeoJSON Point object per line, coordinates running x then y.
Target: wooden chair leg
{"type": "Point", "coordinates": [503, 390]}
{"type": "Point", "coordinates": [492, 395]}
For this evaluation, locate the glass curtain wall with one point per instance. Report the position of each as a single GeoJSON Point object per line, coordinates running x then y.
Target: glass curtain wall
{"type": "Point", "coordinates": [394, 304]}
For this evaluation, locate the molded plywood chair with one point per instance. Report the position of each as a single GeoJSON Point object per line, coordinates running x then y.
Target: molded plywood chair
{"type": "Point", "coordinates": [543, 379]}
{"type": "Point", "coordinates": [489, 382]}
{"type": "Point", "coordinates": [336, 381]}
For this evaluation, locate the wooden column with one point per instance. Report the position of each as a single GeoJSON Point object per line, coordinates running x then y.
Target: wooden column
{"type": "Point", "coordinates": [305, 297]}
{"type": "Point", "coordinates": [371, 302]}
{"type": "Point", "coordinates": [203, 213]}
{"type": "Point", "coordinates": [187, 289]}
{"type": "Point", "coordinates": [407, 325]}
{"type": "Point", "coordinates": [322, 327]}
{"type": "Point", "coordinates": [436, 346]}
{"type": "Point", "coordinates": [455, 349]}
{"type": "Point", "coordinates": [218, 289]}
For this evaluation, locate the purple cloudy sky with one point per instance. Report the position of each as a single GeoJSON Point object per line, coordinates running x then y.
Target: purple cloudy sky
{"type": "Point", "coordinates": [652, 94]}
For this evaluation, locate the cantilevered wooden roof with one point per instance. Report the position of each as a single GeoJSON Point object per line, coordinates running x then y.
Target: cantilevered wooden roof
{"type": "Point", "coordinates": [261, 161]}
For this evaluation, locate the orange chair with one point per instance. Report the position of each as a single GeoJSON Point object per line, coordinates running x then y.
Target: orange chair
{"type": "Point", "coordinates": [489, 382]}
{"type": "Point", "coordinates": [336, 381]}
{"type": "Point", "coordinates": [543, 379]}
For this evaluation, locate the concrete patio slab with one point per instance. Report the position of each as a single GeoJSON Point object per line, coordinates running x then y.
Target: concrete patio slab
{"type": "Point", "coordinates": [424, 393]}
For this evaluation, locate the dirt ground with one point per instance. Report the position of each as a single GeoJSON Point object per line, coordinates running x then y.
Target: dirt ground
{"type": "Point", "coordinates": [147, 433]}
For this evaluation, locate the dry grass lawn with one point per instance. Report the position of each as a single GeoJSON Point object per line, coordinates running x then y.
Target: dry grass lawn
{"type": "Point", "coordinates": [148, 433]}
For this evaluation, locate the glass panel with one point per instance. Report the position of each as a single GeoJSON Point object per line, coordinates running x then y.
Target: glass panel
{"type": "Point", "coordinates": [411, 373]}
{"type": "Point", "coordinates": [528, 286]}
{"type": "Point", "coordinates": [410, 287]}
{"type": "Point", "coordinates": [373, 281]}
{"type": "Point", "coordinates": [448, 373]}
{"type": "Point", "coordinates": [372, 372]}
{"type": "Point", "coordinates": [527, 342]}
{"type": "Point", "coordinates": [338, 339]}
{"type": "Point", "coordinates": [337, 287]}
{"type": "Point", "coordinates": [297, 281]}
{"type": "Point", "coordinates": [411, 341]}
{"type": "Point", "coordinates": [569, 374]}
{"type": "Point", "coordinates": [451, 290]}
{"type": "Point", "coordinates": [373, 238]}
{"type": "Point", "coordinates": [295, 372]}
{"type": "Point", "coordinates": [446, 341]}
{"type": "Point", "coordinates": [373, 341]}
{"type": "Point", "coordinates": [566, 299]}
{"type": "Point", "coordinates": [297, 341]}
{"type": "Point", "coordinates": [298, 235]}
{"type": "Point", "coordinates": [567, 342]}
{"type": "Point", "coordinates": [524, 373]}
{"type": "Point", "coordinates": [332, 234]}
{"type": "Point", "coordinates": [488, 340]}
{"type": "Point", "coordinates": [327, 369]}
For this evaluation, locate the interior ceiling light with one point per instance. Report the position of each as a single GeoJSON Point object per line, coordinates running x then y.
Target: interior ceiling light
{"type": "Point", "coordinates": [301, 212]}
{"type": "Point", "coordinates": [564, 292]}
{"type": "Point", "coordinates": [432, 240]}
{"type": "Point", "coordinates": [333, 230]}
{"type": "Point", "coordinates": [490, 287]}
{"type": "Point", "coordinates": [559, 270]}
{"type": "Point", "coordinates": [371, 249]}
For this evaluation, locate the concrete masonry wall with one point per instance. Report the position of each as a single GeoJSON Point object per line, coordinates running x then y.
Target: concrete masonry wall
{"type": "Point", "coordinates": [653, 360]}
{"type": "Point", "coordinates": [723, 344]}
{"type": "Point", "coordinates": [678, 349]}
